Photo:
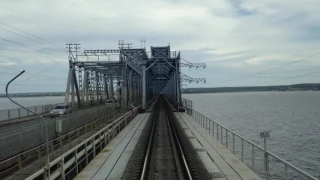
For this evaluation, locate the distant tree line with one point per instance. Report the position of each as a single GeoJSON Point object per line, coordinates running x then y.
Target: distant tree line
{"type": "Point", "coordinates": [294, 87]}
{"type": "Point", "coordinates": [35, 94]}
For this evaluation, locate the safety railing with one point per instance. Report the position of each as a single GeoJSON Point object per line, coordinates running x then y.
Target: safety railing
{"type": "Point", "coordinates": [22, 160]}
{"type": "Point", "coordinates": [9, 114]}
{"type": "Point", "coordinates": [266, 164]}
{"type": "Point", "coordinates": [20, 138]}
{"type": "Point", "coordinates": [69, 164]}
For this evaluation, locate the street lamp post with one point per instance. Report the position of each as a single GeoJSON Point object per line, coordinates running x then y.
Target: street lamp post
{"type": "Point", "coordinates": [43, 121]}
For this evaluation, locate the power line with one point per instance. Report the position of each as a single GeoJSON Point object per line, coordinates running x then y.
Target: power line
{"type": "Point", "coordinates": [15, 50]}
{"type": "Point", "coordinates": [39, 72]}
{"type": "Point", "coordinates": [29, 34]}
{"type": "Point", "coordinates": [285, 78]}
{"type": "Point", "coordinates": [261, 72]}
{"type": "Point", "coordinates": [24, 20]}
{"type": "Point", "coordinates": [39, 76]}
{"type": "Point", "coordinates": [20, 35]}
{"type": "Point", "coordinates": [25, 37]}
{"type": "Point", "coordinates": [26, 46]}
{"type": "Point", "coordinates": [34, 84]}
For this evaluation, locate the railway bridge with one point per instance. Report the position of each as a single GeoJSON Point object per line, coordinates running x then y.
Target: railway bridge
{"type": "Point", "coordinates": [129, 121]}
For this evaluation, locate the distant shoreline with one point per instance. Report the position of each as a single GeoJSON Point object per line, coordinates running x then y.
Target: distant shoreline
{"type": "Point", "coordinates": [43, 94]}
{"type": "Point", "coordinates": [294, 87]}
{"type": "Point", "coordinates": [242, 92]}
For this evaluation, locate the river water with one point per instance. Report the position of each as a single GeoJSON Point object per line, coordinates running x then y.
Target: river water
{"type": "Point", "coordinates": [293, 119]}
{"type": "Point", "coordinates": [30, 101]}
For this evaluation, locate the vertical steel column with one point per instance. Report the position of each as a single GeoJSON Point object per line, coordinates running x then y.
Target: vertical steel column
{"type": "Point", "coordinates": [111, 87]}
{"type": "Point", "coordinates": [75, 82]}
{"type": "Point", "coordinates": [98, 86]}
{"type": "Point", "coordinates": [124, 88]}
{"type": "Point", "coordinates": [84, 90]}
{"type": "Point", "coordinates": [177, 83]}
{"type": "Point", "coordinates": [144, 85]}
{"type": "Point", "coordinates": [80, 85]}
{"type": "Point", "coordinates": [91, 87]}
{"type": "Point", "coordinates": [105, 80]}
{"type": "Point", "coordinates": [130, 88]}
{"type": "Point", "coordinates": [66, 99]}
{"type": "Point", "coordinates": [119, 92]}
{"type": "Point", "coordinates": [86, 86]}
{"type": "Point", "coordinates": [72, 84]}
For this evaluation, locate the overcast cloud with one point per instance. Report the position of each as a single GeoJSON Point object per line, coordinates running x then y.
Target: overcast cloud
{"type": "Point", "coordinates": [236, 38]}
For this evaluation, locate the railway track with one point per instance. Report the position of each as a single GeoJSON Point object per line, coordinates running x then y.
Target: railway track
{"type": "Point", "coordinates": [164, 152]}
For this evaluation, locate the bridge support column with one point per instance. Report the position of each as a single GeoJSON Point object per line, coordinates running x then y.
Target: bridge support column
{"type": "Point", "coordinates": [97, 87]}
{"type": "Point", "coordinates": [130, 87]}
{"type": "Point", "coordinates": [144, 85]}
{"type": "Point", "coordinates": [124, 89]}
{"type": "Point", "coordinates": [106, 93]}
{"type": "Point", "coordinates": [66, 98]}
{"type": "Point", "coordinates": [72, 86]}
{"type": "Point", "coordinates": [86, 87]}
{"type": "Point", "coordinates": [111, 90]}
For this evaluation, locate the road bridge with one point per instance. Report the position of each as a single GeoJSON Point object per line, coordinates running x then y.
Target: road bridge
{"type": "Point", "coordinates": [148, 132]}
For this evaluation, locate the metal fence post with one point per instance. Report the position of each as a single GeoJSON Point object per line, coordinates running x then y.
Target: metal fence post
{"type": "Point", "coordinates": [252, 157]}
{"type": "Point", "coordinates": [234, 144]}
{"type": "Point", "coordinates": [20, 165]}
{"type": "Point", "coordinates": [62, 169]}
{"type": "Point", "coordinates": [206, 124]}
{"type": "Point", "coordinates": [212, 128]}
{"type": "Point", "coordinates": [227, 138]}
{"type": "Point", "coordinates": [76, 159]}
{"type": "Point", "coordinates": [241, 149]}
{"type": "Point", "coordinates": [221, 134]}
{"type": "Point", "coordinates": [265, 135]}
{"type": "Point", "coordinates": [218, 132]}
{"type": "Point", "coordinates": [9, 114]}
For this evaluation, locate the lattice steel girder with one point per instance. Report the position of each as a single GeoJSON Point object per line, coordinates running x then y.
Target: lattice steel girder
{"type": "Point", "coordinates": [162, 76]}
{"type": "Point", "coordinates": [186, 78]}
{"type": "Point", "coordinates": [160, 51]}
{"type": "Point", "coordinates": [140, 52]}
{"type": "Point", "coordinates": [103, 51]}
{"type": "Point", "coordinates": [98, 63]}
{"type": "Point", "coordinates": [153, 63]}
{"type": "Point", "coordinates": [191, 65]}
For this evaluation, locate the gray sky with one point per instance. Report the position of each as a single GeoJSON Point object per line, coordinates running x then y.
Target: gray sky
{"type": "Point", "coordinates": [240, 40]}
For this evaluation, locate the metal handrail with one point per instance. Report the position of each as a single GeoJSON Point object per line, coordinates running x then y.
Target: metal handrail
{"type": "Point", "coordinates": [200, 118]}
{"type": "Point", "coordinates": [60, 159]}
{"type": "Point", "coordinates": [54, 139]}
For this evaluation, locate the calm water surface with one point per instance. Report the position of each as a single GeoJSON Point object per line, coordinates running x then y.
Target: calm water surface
{"type": "Point", "coordinates": [30, 101]}
{"type": "Point", "coordinates": [293, 119]}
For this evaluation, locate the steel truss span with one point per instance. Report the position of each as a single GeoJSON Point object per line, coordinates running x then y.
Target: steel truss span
{"type": "Point", "coordinates": [134, 75]}
{"type": "Point", "coordinates": [164, 151]}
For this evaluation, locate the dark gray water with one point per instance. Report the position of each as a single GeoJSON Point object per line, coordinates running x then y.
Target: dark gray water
{"type": "Point", "coordinates": [5, 103]}
{"type": "Point", "coordinates": [293, 119]}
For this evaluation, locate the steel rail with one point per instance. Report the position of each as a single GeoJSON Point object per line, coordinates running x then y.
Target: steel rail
{"type": "Point", "coordinates": [174, 138]}
{"type": "Point", "coordinates": [150, 143]}
{"type": "Point", "coordinates": [172, 127]}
